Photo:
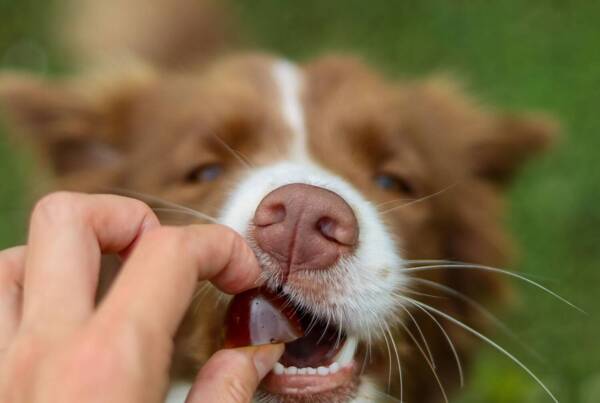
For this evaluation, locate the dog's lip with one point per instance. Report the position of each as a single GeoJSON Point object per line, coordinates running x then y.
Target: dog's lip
{"type": "Point", "coordinates": [286, 384]}
{"type": "Point", "coordinates": [309, 380]}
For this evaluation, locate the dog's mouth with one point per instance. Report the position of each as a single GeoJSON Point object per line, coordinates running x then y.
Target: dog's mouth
{"type": "Point", "coordinates": [320, 361]}
{"type": "Point", "coordinates": [318, 355]}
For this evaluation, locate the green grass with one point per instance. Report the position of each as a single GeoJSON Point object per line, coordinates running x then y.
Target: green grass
{"type": "Point", "coordinates": [540, 55]}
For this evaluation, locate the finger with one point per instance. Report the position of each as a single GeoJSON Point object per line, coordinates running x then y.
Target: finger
{"type": "Point", "coordinates": [12, 262]}
{"type": "Point", "coordinates": [232, 376]}
{"type": "Point", "coordinates": [166, 267]}
{"type": "Point", "coordinates": [67, 235]}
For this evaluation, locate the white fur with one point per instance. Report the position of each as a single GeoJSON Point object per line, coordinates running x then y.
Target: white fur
{"type": "Point", "coordinates": [178, 392]}
{"type": "Point", "coordinates": [288, 80]}
{"type": "Point", "coordinates": [368, 392]}
{"type": "Point", "coordinates": [363, 297]}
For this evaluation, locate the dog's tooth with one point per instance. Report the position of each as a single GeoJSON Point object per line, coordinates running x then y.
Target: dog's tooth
{"type": "Point", "coordinates": [311, 371]}
{"type": "Point", "coordinates": [335, 367]}
{"type": "Point", "coordinates": [302, 371]}
{"type": "Point", "coordinates": [346, 354]}
{"type": "Point", "coordinates": [278, 369]}
{"type": "Point", "coordinates": [291, 371]}
{"type": "Point", "coordinates": [323, 371]}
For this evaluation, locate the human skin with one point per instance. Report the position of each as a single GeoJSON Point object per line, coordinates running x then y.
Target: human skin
{"type": "Point", "coordinates": [56, 345]}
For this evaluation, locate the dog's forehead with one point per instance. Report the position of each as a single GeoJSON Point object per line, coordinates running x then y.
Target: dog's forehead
{"type": "Point", "coordinates": [309, 127]}
{"type": "Point", "coordinates": [277, 89]}
{"type": "Point", "coordinates": [276, 100]}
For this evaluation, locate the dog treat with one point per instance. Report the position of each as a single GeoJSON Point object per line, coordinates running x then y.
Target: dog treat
{"type": "Point", "coordinates": [257, 317]}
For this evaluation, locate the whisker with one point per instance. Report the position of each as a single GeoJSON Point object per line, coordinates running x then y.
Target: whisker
{"type": "Point", "coordinates": [288, 302]}
{"type": "Point", "coordinates": [179, 211]}
{"type": "Point", "coordinates": [483, 311]}
{"type": "Point", "coordinates": [370, 348]}
{"type": "Point", "coordinates": [387, 344]}
{"type": "Point", "coordinates": [486, 339]}
{"type": "Point", "coordinates": [220, 298]}
{"type": "Point", "coordinates": [419, 263]}
{"type": "Point", "coordinates": [198, 291]}
{"type": "Point", "coordinates": [392, 202]}
{"type": "Point", "coordinates": [313, 322]}
{"type": "Point", "coordinates": [433, 371]}
{"type": "Point", "coordinates": [200, 294]}
{"type": "Point", "coordinates": [387, 328]}
{"type": "Point", "coordinates": [263, 278]}
{"type": "Point", "coordinates": [421, 199]}
{"type": "Point", "coordinates": [411, 291]}
{"type": "Point", "coordinates": [493, 270]}
{"type": "Point", "coordinates": [387, 396]}
{"type": "Point", "coordinates": [155, 199]}
{"type": "Point", "coordinates": [450, 343]}
{"type": "Point", "coordinates": [339, 335]}
{"type": "Point", "coordinates": [367, 352]}
{"type": "Point", "coordinates": [421, 334]}
{"type": "Point", "coordinates": [238, 155]}
{"type": "Point", "coordinates": [325, 330]}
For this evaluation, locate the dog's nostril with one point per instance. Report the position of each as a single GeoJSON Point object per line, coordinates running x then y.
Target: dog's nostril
{"type": "Point", "coordinates": [305, 227]}
{"type": "Point", "coordinates": [327, 227]}
{"type": "Point", "coordinates": [269, 215]}
{"type": "Point", "coordinates": [336, 232]}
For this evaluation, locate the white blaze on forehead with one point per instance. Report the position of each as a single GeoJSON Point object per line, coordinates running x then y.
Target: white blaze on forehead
{"type": "Point", "coordinates": [289, 81]}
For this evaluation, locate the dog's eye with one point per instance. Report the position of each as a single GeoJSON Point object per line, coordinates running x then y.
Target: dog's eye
{"type": "Point", "coordinates": [204, 173]}
{"type": "Point", "coordinates": [393, 183]}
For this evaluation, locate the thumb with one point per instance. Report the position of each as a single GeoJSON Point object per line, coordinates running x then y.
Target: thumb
{"type": "Point", "coordinates": [232, 376]}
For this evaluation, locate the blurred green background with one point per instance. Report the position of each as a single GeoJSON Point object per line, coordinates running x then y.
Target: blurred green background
{"type": "Point", "coordinates": [535, 55]}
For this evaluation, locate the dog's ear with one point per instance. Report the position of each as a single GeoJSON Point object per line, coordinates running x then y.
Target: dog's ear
{"type": "Point", "coordinates": [75, 126]}
{"type": "Point", "coordinates": [495, 145]}
{"type": "Point", "coordinates": [510, 142]}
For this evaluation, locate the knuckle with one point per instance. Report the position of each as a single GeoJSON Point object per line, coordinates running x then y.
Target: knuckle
{"type": "Point", "coordinates": [57, 207]}
{"type": "Point", "coordinates": [135, 205]}
{"type": "Point", "coordinates": [224, 231]}
{"type": "Point", "coordinates": [94, 362]}
{"type": "Point", "coordinates": [223, 237]}
{"type": "Point", "coordinates": [10, 268]}
{"type": "Point", "coordinates": [7, 280]}
{"type": "Point", "coordinates": [167, 239]}
{"type": "Point", "coordinates": [237, 390]}
{"type": "Point", "coordinates": [10, 290]}
{"type": "Point", "coordinates": [25, 356]}
{"type": "Point", "coordinates": [239, 244]}
{"type": "Point", "coordinates": [235, 241]}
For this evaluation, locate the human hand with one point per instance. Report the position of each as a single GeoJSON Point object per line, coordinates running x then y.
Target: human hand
{"type": "Point", "coordinates": [57, 346]}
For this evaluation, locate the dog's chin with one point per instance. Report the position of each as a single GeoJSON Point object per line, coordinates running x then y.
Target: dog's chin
{"type": "Point", "coordinates": [340, 387]}
{"type": "Point", "coordinates": [318, 367]}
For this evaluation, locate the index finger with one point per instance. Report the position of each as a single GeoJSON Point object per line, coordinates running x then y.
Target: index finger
{"type": "Point", "coordinates": [67, 235]}
{"type": "Point", "coordinates": [157, 283]}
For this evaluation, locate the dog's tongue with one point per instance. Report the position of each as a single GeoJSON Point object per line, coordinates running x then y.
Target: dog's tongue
{"type": "Point", "coordinates": [257, 317]}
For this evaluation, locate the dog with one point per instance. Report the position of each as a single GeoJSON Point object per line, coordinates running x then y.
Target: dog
{"type": "Point", "coordinates": [365, 200]}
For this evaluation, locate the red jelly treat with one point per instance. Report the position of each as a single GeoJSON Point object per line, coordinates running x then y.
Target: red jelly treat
{"type": "Point", "coordinates": [257, 317]}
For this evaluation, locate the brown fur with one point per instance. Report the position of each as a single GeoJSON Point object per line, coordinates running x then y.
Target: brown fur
{"type": "Point", "coordinates": [150, 130]}
{"type": "Point", "coordinates": [173, 34]}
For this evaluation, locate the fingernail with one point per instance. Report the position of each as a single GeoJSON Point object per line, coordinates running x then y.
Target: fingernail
{"type": "Point", "coordinates": [265, 358]}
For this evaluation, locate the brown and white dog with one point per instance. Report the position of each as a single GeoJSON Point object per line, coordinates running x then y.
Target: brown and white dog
{"type": "Point", "coordinates": [340, 180]}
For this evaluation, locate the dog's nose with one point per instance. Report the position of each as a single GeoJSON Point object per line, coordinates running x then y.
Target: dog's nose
{"type": "Point", "coordinates": [305, 227]}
